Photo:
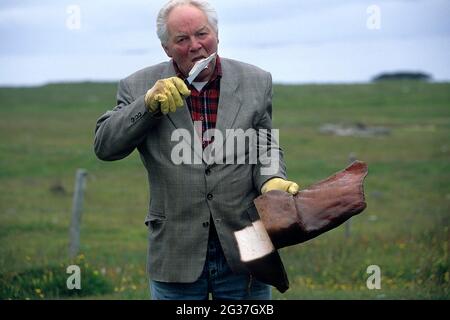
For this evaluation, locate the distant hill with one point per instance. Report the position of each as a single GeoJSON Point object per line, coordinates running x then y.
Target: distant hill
{"type": "Point", "coordinates": [418, 76]}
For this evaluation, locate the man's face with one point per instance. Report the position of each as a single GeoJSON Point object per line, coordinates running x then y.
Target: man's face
{"type": "Point", "coordinates": [191, 38]}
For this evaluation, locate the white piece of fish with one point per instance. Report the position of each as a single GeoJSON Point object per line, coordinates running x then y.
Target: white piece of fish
{"type": "Point", "coordinates": [199, 66]}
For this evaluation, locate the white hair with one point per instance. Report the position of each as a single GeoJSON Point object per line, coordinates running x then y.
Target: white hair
{"type": "Point", "coordinates": [203, 5]}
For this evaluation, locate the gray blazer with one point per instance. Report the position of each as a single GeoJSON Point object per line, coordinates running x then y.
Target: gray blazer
{"type": "Point", "coordinates": [184, 196]}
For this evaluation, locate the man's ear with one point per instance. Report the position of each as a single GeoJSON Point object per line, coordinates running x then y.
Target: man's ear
{"type": "Point", "coordinates": [166, 49]}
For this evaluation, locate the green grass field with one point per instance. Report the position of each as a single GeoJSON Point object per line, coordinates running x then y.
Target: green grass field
{"type": "Point", "coordinates": [46, 133]}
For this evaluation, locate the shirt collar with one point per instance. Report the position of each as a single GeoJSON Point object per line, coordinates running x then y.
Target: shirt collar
{"type": "Point", "coordinates": [216, 74]}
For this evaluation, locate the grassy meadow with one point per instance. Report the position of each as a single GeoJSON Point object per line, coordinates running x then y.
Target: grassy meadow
{"type": "Point", "coordinates": [47, 132]}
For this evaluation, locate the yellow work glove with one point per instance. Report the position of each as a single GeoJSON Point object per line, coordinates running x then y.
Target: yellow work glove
{"type": "Point", "coordinates": [166, 95]}
{"type": "Point", "coordinates": [280, 184]}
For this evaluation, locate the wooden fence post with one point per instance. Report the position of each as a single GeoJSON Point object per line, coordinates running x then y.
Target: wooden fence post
{"type": "Point", "coordinates": [351, 159]}
{"type": "Point", "coordinates": [74, 242]}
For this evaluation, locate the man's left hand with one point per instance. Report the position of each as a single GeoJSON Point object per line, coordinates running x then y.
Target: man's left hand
{"type": "Point", "coordinates": [280, 184]}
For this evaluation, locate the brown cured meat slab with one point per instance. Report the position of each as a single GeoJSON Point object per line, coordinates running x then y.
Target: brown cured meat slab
{"type": "Point", "coordinates": [290, 220]}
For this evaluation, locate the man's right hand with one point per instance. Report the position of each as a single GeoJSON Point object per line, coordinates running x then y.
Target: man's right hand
{"type": "Point", "coordinates": [166, 95]}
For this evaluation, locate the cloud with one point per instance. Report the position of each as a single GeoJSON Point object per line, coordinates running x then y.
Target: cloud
{"type": "Point", "coordinates": [272, 34]}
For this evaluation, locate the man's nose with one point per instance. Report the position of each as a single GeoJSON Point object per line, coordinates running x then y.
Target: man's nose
{"type": "Point", "coordinates": [195, 45]}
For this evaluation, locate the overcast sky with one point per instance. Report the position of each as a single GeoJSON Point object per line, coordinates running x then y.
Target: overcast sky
{"type": "Point", "coordinates": [297, 41]}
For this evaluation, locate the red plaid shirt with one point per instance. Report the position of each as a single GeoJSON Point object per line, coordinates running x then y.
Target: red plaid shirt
{"type": "Point", "coordinates": [203, 105]}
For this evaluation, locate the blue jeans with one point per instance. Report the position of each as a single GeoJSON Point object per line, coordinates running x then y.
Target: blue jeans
{"type": "Point", "coordinates": [217, 278]}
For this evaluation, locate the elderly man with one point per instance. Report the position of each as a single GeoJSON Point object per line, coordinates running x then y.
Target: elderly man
{"type": "Point", "coordinates": [196, 206]}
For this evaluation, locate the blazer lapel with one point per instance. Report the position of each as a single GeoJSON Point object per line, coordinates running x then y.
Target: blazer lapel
{"type": "Point", "coordinates": [229, 101]}
{"type": "Point", "coordinates": [181, 119]}
{"type": "Point", "coordinates": [229, 106]}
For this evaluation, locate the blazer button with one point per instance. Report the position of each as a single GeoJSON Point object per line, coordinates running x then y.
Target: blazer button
{"type": "Point", "coordinates": [206, 224]}
{"type": "Point", "coordinates": [209, 196]}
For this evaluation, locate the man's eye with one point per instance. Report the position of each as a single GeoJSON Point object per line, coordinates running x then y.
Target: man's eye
{"type": "Point", "coordinates": [181, 40]}
{"type": "Point", "coordinates": [202, 34]}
